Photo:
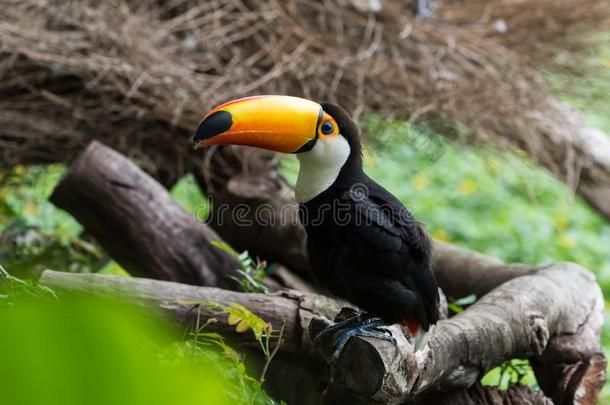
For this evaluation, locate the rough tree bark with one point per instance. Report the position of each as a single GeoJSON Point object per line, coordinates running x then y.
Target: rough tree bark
{"type": "Point", "coordinates": [138, 223]}
{"type": "Point", "coordinates": [543, 316]}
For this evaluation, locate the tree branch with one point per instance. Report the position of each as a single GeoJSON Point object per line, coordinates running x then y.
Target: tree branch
{"type": "Point", "coordinates": [539, 315]}
{"type": "Point", "coordinates": [138, 223]}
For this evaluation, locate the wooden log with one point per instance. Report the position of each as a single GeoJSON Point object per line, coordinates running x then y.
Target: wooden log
{"type": "Point", "coordinates": [180, 299]}
{"type": "Point", "coordinates": [528, 317]}
{"type": "Point", "coordinates": [514, 395]}
{"type": "Point", "coordinates": [138, 223]}
{"type": "Point", "coordinates": [540, 316]}
{"type": "Point", "coordinates": [461, 272]}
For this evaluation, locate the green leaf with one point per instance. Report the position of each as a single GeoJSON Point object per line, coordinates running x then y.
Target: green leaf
{"type": "Point", "coordinates": [467, 300]}
{"type": "Point", "coordinates": [455, 308]}
{"type": "Point", "coordinates": [225, 247]}
{"type": "Point", "coordinates": [242, 326]}
{"type": "Point", "coordinates": [233, 319]}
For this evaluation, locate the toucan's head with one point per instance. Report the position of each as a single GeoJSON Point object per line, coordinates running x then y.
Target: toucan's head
{"type": "Point", "coordinates": [323, 136]}
{"type": "Point", "coordinates": [278, 123]}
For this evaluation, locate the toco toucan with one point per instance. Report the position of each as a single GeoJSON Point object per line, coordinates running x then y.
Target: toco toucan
{"type": "Point", "coordinates": [363, 244]}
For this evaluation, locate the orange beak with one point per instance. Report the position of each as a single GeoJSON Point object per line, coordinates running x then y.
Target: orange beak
{"type": "Point", "coordinates": [279, 123]}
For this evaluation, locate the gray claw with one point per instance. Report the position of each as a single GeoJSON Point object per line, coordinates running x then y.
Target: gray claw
{"type": "Point", "coordinates": [332, 329]}
{"type": "Point", "coordinates": [369, 328]}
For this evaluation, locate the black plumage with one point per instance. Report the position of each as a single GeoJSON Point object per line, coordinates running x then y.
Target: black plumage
{"type": "Point", "coordinates": [365, 246]}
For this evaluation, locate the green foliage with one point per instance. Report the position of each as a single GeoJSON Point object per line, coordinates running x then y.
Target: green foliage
{"type": "Point", "coordinates": [494, 202]}
{"type": "Point", "coordinates": [27, 251]}
{"type": "Point", "coordinates": [252, 272]}
{"type": "Point", "coordinates": [113, 268]}
{"type": "Point", "coordinates": [211, 350]}
{"type": "Point", "coordinates": [13, 289]}
{"type": "Point", "coordinates": [515, 371]}
{"type": "Point", "coordinates": [81, 351]}
{"type": "Point", "coordinates": [458, 305]}
{"type": "Point", "coordinates": [244, 320]}
{"type": "Point", "coordinates": [105, 352]}
{"type": "Point", "coordinates": [34, 235]}
{"type": "Point", "coordinates": [24, 194]}
{"type": "Point", "coordinates": [188, 194]}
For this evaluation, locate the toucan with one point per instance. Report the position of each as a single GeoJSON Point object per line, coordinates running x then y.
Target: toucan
{"type": "Point", "coordinates": [364, 246]}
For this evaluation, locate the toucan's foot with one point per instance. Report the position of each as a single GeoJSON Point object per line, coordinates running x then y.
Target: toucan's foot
{"type": "Point", "coordinates": [374, 328]}
{"type": "Point", "coordinates": [346, 324]}
{"type": "Point", "coordinates": [363, 325]}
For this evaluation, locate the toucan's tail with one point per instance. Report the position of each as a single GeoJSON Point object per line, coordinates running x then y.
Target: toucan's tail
{"type": "Point", "coordinates": [413, 325]}
{"type": "Point", "coordinates": [419, 335]}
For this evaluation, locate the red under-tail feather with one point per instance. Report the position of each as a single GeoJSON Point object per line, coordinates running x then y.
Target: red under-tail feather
{"type": "Point", "coordinates": [412, 324]}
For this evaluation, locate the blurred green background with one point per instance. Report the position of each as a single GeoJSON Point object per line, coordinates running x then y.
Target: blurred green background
{"type": "Point", "coordinates": [497, 202]}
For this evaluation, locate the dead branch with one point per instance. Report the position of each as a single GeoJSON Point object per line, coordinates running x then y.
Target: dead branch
{"type": "Point", "coordinates": [138, 223]}
{"type": "Point", "coordinates": [540, 316]}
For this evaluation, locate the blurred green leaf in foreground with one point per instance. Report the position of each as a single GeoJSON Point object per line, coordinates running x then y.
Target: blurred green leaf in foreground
{"type": "Point", "coordinates": [76, 350]}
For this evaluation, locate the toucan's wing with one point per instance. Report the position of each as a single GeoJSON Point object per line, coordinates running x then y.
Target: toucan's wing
{"type": "Point", "coordinates": [400, 248]}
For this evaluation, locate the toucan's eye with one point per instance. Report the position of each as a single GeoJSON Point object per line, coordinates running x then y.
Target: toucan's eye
{"type": "Point", "coordinates": [327, 128]}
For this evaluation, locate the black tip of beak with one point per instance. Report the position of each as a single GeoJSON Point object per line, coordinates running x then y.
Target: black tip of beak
{"type": "Point", "coordinates": [215, 124]}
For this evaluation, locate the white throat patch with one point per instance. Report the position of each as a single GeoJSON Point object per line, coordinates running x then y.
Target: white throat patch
{"type": "Point", "coordinates": [320, 167]}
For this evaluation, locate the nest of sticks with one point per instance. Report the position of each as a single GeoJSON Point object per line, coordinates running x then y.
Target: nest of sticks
{"type": "Point", "coordinates": [128, 72]}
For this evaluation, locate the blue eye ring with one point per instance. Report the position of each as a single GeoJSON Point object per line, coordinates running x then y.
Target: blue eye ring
{"type": "Point", "coordinates": [327, 128]}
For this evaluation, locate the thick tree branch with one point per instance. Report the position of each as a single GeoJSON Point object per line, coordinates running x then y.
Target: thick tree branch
{"type": "Point", "coordinates": [179, 299]}
{"type": "Point", "coordinates": [138, 223]}
{"type": "Point", "coordinates": [539, 315]}
{"type": "Point", "coordinates": [461, 272]}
